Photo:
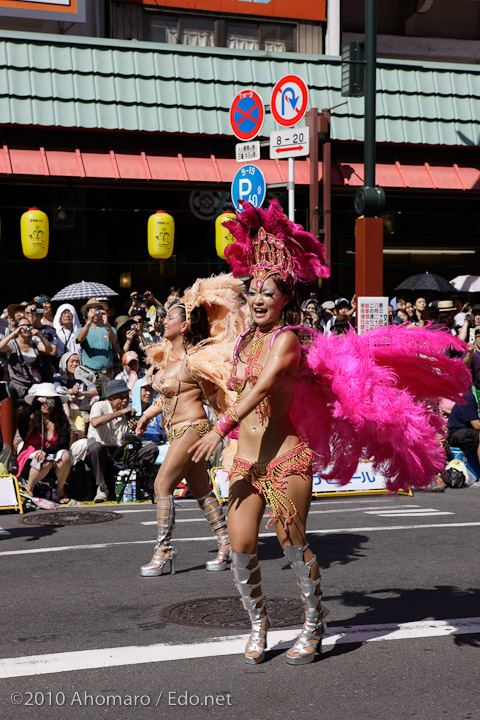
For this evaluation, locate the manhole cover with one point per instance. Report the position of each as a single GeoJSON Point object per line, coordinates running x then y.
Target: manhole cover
{"type": "Point", "coordinates": [229, 612]}
{"type": "Point", "coordinates": [70, 517]}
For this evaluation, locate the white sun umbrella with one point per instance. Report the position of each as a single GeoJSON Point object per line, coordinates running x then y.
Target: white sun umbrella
{"type": "Point", "coordinates": [84, 290]}
{"type": "Point", "coordinates": [466, 283]}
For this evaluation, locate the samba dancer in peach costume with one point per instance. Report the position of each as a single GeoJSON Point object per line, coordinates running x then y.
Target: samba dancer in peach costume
{"type": "Point", "coordinates": [272, 464]}
{"type": "Point", "coordinates": [192, 363]}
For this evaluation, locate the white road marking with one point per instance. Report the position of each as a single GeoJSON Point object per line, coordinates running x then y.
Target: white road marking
{"type": "Point", "coordinates": [210, 538]}
{"type": "Point", "coordinates": [407, 512]}
{"type": "Point", "coordinates": [4, 532]}
{"type": "Point", "coordinates": [220, 646]}
{"type": "Point", "coordinates": [200, 518]}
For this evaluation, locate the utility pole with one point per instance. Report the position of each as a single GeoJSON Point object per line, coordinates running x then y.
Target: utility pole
{"type": "Point", "coordinates": [370, 199]}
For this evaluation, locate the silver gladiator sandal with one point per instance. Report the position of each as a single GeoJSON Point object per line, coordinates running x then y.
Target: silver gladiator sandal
{"type": "Point", "coordinates": [214, 514]}
{"type": "Point", "coordinates": [309, 641]}
{"type": "Point", "coordinates": [257, 642]}
{"type": "Point", "coordinates": [165, 525]}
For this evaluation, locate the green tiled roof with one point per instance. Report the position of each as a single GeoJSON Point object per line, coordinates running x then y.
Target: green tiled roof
{"type": "Point", "coordinates": [48, 80]}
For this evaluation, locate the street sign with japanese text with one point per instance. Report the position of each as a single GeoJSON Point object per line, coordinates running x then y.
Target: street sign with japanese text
{"type": "Point", "coordinates": [294, 142]}
{"type": "Point", "coordinates": [372, 312]}
{"type": "Point", "coordinates": [248, 151]}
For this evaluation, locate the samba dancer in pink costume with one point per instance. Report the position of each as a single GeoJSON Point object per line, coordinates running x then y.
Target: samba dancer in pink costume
{"type": "Point", "coordinates": [283, 396]}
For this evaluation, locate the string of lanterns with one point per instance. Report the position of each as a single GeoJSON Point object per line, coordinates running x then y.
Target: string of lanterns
{"type": "Point", "coordinates": [34, 233]}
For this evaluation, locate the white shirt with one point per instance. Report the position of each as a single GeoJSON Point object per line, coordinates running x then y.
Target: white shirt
{"type": "Point", "coordinates": [112, 433]}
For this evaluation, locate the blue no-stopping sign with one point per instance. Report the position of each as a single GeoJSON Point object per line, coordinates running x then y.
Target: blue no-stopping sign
{"type": "Point", "coordinates": [248, 185]}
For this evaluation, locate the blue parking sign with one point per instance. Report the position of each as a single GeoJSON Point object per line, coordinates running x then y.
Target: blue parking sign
{"type": "Point", "coordinates": [248, 185]}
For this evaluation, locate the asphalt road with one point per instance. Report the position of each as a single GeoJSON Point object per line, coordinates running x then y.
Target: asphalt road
{"type": "Point", "coordinates": [83, 635]}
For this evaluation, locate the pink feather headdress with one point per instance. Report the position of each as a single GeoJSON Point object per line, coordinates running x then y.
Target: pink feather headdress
{"type": "Point", "coordinates": [267, 243]}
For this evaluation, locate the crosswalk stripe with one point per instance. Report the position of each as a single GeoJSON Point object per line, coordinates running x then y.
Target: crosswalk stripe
{"type": "Point", "coordinates": [30, 665]}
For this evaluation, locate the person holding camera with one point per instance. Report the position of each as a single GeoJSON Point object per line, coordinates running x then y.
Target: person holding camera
{"type": "Point", "coordinates": [97, 339]}
{"type": "Point", "coordinates": [46, 434]}
{"type": "Point", "coordinates": [23, 348]}
{"type": "Point", "coordinates": [311, 313]}
{"type": "Point", "coordinates": [110, 420]}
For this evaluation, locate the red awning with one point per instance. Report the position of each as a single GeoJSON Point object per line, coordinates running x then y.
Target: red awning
{"type": "Point", "coordinates": [180, 168]}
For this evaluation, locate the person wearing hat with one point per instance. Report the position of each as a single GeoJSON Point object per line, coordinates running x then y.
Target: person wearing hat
{"type": "Point", "coordinates": [342, 317]}
{"type": "Point", "coordinates": [97, 339]}
{"type": "Point", "coordinates": [445, 311]}
{"type": "Point", "coordinates": [46, 433]}
{"type": "Point", "coordinates": [131, 369]}
{"type": "Point", "coordinates": [110, 420]}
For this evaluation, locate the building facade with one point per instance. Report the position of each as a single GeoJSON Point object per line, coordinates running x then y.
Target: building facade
{"type": "Point", "coordinates": [106, 120]}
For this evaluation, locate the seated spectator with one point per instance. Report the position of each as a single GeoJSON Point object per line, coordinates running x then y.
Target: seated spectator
{"type": "Point", "coordinates": [45, 431]}
{"type": "Point", "coordinates": [67, 324]}
{"type": "Point", "coordinates": [311, 313]}
{"type": "Point", "coordinates": [76, 418]}
{"type": "Point", "coordinates": [97, 339]}
{"type": "Point", "coordinates": [80, 393]}
{"type": "Point", "coordinates": [110, 420]}
{"type": "Point", "coordinates": [131, 369]}
{"type": "Point", "coordinates": [23, 348]}
{"type": "Point", "coordinates": [464, 422]}
{"type": "Point", "coordinates": [142, 398]}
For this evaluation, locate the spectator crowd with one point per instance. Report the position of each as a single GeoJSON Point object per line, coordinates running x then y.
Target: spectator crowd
{"type": "Point", "coordinates": [78, 379]}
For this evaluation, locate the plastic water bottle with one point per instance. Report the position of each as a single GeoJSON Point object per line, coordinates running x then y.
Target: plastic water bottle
{"type": "Point", "coordinates": [127, 492]}
{"type": "Point", "coordinates": [134, 490]}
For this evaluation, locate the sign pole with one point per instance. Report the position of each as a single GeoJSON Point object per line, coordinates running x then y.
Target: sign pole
{"type": "Point", "coordinates": [291, 189]}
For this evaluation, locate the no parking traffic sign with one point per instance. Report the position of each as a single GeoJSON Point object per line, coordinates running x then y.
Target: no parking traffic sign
{"type": "Point", "coordinates": [247, 114]}
{"type": "Point", "coordinates": [289, 100]}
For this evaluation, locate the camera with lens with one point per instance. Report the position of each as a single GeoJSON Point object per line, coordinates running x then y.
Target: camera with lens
{"type": "Point", "coordinates": [98, 313]}
{"type": "Point", "coordinates": [132, 439]}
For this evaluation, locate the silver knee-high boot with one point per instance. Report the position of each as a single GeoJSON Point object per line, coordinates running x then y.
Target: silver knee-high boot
{"type": "Point", "coordinates": [214, 514]}
{"type": "Point", "coordinates": [165, 525]}
{"type": "Point", "coordinates": [255, 607]}
{"type": "Point", "coordinates": [314, 626]}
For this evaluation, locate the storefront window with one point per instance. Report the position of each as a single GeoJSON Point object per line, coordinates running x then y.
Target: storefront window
{"type": "Point", "coordinates": [260, 36]}
{"type": "Point", "coordinates": [183, 30]}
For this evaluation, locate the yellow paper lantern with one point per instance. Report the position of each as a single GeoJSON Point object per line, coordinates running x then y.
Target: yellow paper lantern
{"type": "Point", "coordinates": [161, 234]}
{"type": "Point", "coordinates": [222, 236]}
{"type": "Point", "coordinates": [34, 232]}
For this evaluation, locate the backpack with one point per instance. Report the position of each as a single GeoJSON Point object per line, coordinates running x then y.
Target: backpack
{"type": "Point", "coordinates": [455, 474]}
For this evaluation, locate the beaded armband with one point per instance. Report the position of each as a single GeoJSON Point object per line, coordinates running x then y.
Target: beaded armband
{"type": "Point", "coordinates": [227, 422]}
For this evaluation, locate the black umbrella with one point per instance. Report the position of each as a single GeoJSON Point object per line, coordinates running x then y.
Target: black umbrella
{"type": "Point", "coordinates": [426, 282]}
